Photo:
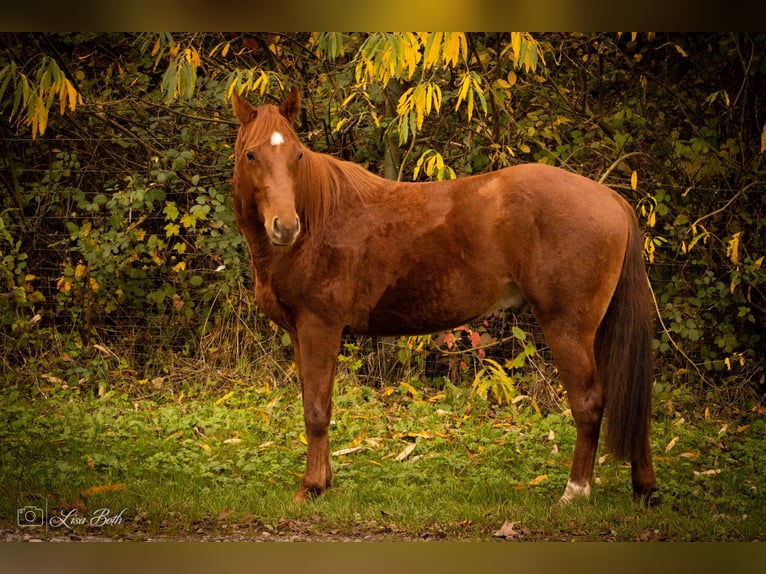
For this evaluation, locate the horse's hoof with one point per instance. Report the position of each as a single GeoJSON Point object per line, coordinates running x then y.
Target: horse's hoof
{"type": "Point", "coordinates": [306, 494]}
{"type": "Point", "coordinates": [302, 496]}
{"type": "Point", "coordinates": [646, 497]}
{"type": "Point", "coordinates": [574, 491]}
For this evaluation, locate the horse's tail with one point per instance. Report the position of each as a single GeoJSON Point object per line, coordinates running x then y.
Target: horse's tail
{"type": "Point", "coordinates": [624, 355]}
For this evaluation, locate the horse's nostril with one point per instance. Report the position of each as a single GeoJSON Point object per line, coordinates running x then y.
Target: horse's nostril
{"type": "Point", "coordinates": [282, 234]}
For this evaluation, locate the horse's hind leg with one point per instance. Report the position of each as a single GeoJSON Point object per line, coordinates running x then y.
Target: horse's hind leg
{"type": "Point", "coordinates": [642, 471]}
{"type": "Point", "coordinates": [576, 363]}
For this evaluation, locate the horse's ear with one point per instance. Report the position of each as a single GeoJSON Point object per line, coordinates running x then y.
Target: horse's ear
{"type": "Point", "coordinates": [242, 108]}
{"type": "Point", "coordinates": [291, 105]}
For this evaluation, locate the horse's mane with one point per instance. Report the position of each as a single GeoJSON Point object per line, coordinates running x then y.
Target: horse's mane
{"type": "Point", "coordinates": [323, 180]}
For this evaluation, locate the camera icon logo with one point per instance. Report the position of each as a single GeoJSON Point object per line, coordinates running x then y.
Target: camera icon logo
{"type": "Point", "coordinates": [30, 516]}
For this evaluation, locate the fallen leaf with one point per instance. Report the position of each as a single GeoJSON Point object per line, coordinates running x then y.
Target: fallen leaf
{"type": "Point", "coordinates": [407, 451]}
{"type": "Point", "coordinates": [224, 398]}
{"type": "Point", "coordinates": [345, 451]}
{"type": "Point", "coordinates": [645, 536]}
{"type": "Point", "coordinates": [102, 489]}
{"type": "Point", "coordinates": [507, 531]}
{"type": "Point", "coordinates": [224, 514]}
{"type": "Point", "coordinates": [671, 444]}
{"type": "Point", "coordinates": [708, 472]}
{"type": "Point", "coordinates": [537, 480]}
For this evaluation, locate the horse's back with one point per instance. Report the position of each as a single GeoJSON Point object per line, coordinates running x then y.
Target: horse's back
{"type": "Point", "coordinates": [568, 235]}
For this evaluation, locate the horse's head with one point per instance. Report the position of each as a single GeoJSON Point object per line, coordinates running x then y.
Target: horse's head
{"type": "Point", "coordinates": [267, 155]}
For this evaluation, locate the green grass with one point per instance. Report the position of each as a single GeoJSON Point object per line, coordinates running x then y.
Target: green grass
{"type": "Point", "coordinates": [225, 460]}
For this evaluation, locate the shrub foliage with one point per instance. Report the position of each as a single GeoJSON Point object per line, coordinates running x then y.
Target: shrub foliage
{"type": "Point", "coordinates": [119, 249]}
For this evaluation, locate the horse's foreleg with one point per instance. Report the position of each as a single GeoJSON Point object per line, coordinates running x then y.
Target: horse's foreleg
{"type": "Point", "coordinates": [317, 354]}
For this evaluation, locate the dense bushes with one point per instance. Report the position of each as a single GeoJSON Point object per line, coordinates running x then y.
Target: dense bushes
{"type": "Point", "coordinates": [117, 236]}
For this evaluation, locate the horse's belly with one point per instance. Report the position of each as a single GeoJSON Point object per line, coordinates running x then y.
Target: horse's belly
{"type": "Point", "coordinates": [426, 309]}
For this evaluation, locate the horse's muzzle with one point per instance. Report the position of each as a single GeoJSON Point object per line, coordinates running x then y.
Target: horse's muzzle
{"type": "Point", "coordinates": [284, 234]}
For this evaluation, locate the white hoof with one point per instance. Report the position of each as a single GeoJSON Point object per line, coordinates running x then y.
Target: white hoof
{"type": "Point", "coordinates": [573, 491]}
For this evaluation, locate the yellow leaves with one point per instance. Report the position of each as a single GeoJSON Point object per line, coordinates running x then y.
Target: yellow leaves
{"type": "Point", "coordinates": [33, 99]}
{"type": "Point", "coordinates": [523, 50]}
{"type": "Point", "coordinates": [434, 166]}
{"type": "Point", "coordinates": [534, 482]}
{"type": "Point", "coordinates": [763, 139]}
{"type": "Point", "coordinates": [649, 249]}
{"type": "Point", "coordinates": [64, 285]}
{"type": "Point", "coordinates": [224, 398]}
{"type": "Point", "coordinates": [647, 206]}
{"type": "Point", "coordinates": [397, 55]}
{"type": "Point", "coordinates": [172, 229]}
{"type": "Point", "coordinates": [456, 49]}
{"type": "Point", "coordinates": [492, 377]}
{"type": "Point", "coordinates": [470, 87]}
{"type": "Point", "coordinates": [179, 80]}
{"type": "Point", "coordinates": [703, 235]}
{"type": "Point", "coordinates": [409, 388]}
{"type": "Point", "coordinates": [738, 357]}
{"type": "Point", "coordinates": [383, 56]}
{"type": "Point", "coordinates": [432, 50]}
{"type": "Point", "coordinates": [732, 248]}
{"type": "Point", "coordinates": [253, 79]}
{"type": "Point", "coordinates": [416, 103]}
{"type": "Point", "coordinates": [224, 47]}
{"type": "Point", "coordinates": [634, 183]}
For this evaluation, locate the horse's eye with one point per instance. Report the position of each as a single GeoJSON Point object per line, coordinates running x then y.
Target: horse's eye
{"type": "Point", "coordinates": [250, 155]}
{"type": "Point", "coordinates": [300, 154]}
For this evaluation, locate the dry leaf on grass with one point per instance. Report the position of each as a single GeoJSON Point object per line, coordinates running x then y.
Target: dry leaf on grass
{"type": "Point", "coordinates": [508, 531]}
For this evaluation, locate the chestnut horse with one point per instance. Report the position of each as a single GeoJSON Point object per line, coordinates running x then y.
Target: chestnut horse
{"type": "Point", "coordinates": [336, 249]}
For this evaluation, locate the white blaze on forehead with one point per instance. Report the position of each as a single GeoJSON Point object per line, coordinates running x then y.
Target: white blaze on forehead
{"type": "Point", "coordinates": [277, 139]}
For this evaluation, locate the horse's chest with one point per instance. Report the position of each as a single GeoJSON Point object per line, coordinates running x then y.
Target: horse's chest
{"type": "Point", "coordinates": [269, 302]}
